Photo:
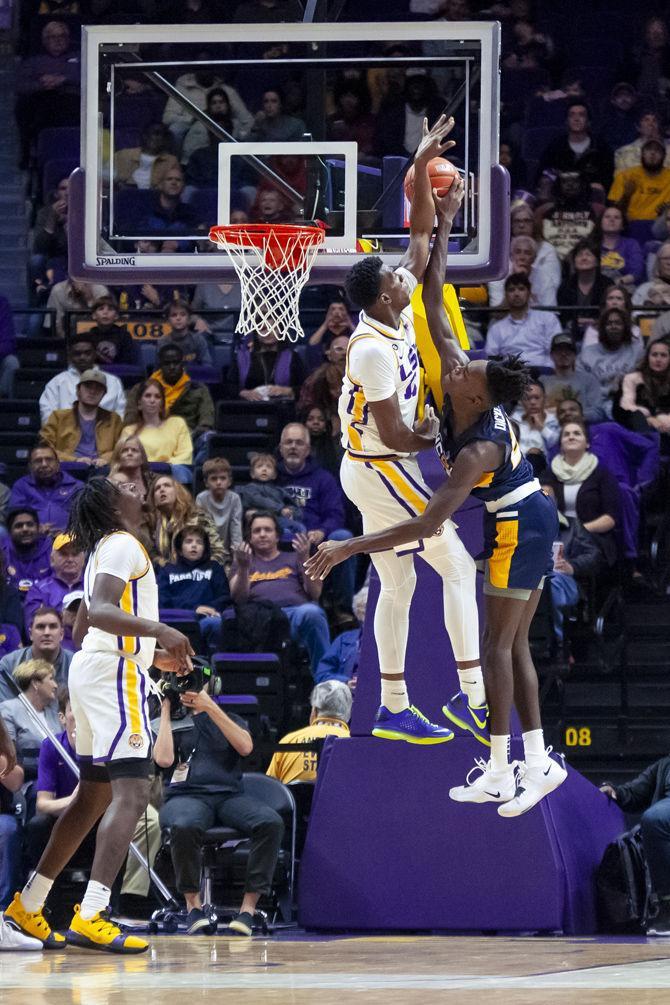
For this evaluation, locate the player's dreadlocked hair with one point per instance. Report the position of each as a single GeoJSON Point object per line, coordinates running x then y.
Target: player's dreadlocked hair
{"type": "Point", "coordinates": [94, 513]}
{"type": "Point", "coordinates": [507, 377]}
{"type": "Point", "coordinates": [363, 282]}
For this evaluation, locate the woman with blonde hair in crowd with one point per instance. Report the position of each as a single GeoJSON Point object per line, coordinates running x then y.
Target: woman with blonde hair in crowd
{"type": "Point", "coordinates": [165, 438]}
{"type": "Point", "coordinates": [129, 464]}
{"type": "Point", "coordinates": [171, 509]}
{"type": "Point", "coordinates": [37, 682]}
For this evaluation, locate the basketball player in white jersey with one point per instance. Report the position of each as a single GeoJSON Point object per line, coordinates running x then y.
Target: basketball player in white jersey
{"type": "Point", "coordinates": [382, 478]}
{"type": "Point", "coordinates": [117, 627]}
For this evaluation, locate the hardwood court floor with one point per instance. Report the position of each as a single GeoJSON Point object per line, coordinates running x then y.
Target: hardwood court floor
{"type": "Point", "coordinates": [379, 970]}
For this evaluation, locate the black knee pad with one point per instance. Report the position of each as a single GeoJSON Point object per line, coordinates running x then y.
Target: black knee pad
{"type": "Point", "coordinates": [90, 772]}
{"type": "Point", "coordinates": [129, 767]}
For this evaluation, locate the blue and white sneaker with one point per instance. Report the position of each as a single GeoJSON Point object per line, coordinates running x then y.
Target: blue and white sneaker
{"type": "Point", "coordinates": [409, 725]}
{"type": "Point", "coordinates": [474, 720]}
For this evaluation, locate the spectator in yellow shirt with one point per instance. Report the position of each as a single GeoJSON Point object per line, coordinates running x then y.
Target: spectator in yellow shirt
{"type": "Point", "coordinates": [164, 437]}
{"type": "Point", "coordinates": [331, 710]}
{"type": "Point", "coordinates": [641, 191]}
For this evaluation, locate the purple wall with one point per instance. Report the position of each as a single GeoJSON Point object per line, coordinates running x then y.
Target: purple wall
{"type": "Point", "coordinates": [387, 848]}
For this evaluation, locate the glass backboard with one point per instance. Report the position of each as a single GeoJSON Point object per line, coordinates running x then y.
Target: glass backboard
{"type": "Point", "coordinates": [188, 126]}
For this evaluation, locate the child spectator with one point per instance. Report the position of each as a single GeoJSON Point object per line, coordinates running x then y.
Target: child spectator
{"type": "Point", "coordinates": [195, 582]}
{"type": "Point", "coordinates": [192, 344]}
{"type": "Point", "coordinates": [113, 344]}
{"type": "Point", "coordinates": [223, 505]}
{"type": "Point", "coordinates": [263, 493]}
{"type": "Point", "coordinates": [171, 509]}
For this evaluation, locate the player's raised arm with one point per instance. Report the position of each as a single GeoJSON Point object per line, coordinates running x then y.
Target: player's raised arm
{"type": "Point", "coordinates": [433, 144]}
{"type": "Point", "coordinates": [444, 340]}
{"type": "Point", "coordinates": [471, 464]}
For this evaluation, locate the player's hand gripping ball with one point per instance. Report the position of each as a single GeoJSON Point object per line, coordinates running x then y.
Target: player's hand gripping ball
{"type": "Point", "coordinates": [441, 173]}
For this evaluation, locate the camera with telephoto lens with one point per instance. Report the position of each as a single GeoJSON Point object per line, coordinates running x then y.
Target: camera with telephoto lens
{"type": "Point", "coordinates": [172, 686]}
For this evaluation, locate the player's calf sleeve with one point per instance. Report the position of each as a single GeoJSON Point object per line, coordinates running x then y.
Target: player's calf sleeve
{"type": "Point", "coordinates": [447, 555]}
{"type": "Point", "coordinates": [391, 622]}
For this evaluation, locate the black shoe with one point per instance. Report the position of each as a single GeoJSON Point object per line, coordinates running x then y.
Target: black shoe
{"type": "Point", "coordinates": [660, 925]}
{"type": "Point", "coordinates": [243, 924]}
{"type": "Point", "coordinates": [196, 920]}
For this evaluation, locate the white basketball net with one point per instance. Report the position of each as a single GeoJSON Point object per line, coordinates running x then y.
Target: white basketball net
{"type": "Point", "coordinates": [272, 266]}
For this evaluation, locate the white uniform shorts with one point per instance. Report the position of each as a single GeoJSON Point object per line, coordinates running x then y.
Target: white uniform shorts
{"type": "Point", "coordinates": [108, 696]}
{"type": "Point", "coordinates": [388, 492]}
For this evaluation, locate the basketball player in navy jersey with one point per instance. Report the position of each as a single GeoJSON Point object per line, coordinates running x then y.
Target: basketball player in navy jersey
{"type": "Point", "coordinates": [481, 456]}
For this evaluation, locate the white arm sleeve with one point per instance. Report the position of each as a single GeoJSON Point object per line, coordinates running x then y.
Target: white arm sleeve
{"type": "Point", "coordinates": [121, 556]}
{"type": "Point", "coordinates": [372, 365]}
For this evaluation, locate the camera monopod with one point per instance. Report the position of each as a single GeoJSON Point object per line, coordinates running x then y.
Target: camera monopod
{"type": "Point", "coordinates": [47, 733]}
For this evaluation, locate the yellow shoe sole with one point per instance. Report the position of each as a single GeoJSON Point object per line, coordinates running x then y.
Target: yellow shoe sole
{"type": "Point", "coordinates": [389, 734]}
{"type": "Point", "coordinates": [463, 725]}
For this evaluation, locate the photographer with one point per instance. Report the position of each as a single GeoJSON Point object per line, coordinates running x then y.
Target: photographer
{"type": "Point", "coordinates": [206, 790]}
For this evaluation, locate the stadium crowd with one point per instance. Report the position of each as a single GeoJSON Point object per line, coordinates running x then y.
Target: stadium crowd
{"type": "Point", "coordinates": [229, 521]}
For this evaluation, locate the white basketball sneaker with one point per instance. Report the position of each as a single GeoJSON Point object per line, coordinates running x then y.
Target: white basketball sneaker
{"type": "Point", "coordinates": [488, 787]}
{"type": "Point", "coordinates": [533, 785]}
{"type": "Point", "coordinates": [11, 940]}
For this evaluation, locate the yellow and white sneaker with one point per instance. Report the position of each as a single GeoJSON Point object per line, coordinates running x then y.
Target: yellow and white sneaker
{"type": "Point", "coordinates": [34, 924]}
{"type": "Point", "coordinates": [102, 934]}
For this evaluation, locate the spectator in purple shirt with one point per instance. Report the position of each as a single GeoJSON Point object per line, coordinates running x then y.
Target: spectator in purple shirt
{"type": "Point", "coordinates": [27, 553]}
{"type": "Point", "coordinates": [9, 364]}
{"type": "Point", "coordinates": [47, 489]}
{"type": "Point", "coordinates": [262, 572]}
{"type": "Point", "coordinates": [67, 567]}
{"type": "Point", "coordinates": [56, 786]}
{"type": "Point", "coordinates": [319, 504]}
{"type": "Point", "coordinates": [48, 87]}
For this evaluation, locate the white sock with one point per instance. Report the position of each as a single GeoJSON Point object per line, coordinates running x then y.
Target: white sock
{"type": "Point", "coordinates": [35, 892]}
{"type": "Point", "coordinates": [96, 899]}
{"type": "Point", "coordinates": [472, 685]}
{"type": "Point", "coordinates": [533, 748]}
{"type": "Point", "coordinates": [499, 753]}
{"type": "Point", "coordinates": [394, 695]}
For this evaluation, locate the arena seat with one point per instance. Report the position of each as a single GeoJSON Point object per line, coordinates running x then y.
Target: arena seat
{"type": "Point", "coordinates": [218, 839]}
{"type": "Point", "coordinates": [259, 674]}
{"type": "Point", "coordinates": [20, 415]}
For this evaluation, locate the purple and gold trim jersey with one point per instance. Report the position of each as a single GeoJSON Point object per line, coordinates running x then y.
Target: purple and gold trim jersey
{"type": "Point", "coordinates": [121, 555]}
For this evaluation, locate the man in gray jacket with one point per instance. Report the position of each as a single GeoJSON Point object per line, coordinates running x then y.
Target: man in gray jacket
{"type": "Point", "coordinates": [46, 636]}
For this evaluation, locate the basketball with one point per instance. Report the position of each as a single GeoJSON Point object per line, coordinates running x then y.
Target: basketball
{"type": "Point", "coordinates": [441, 173]}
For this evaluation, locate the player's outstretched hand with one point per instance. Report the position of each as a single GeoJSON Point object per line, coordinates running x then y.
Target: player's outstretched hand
{"type": "Point", "coordinates": [176, 646]}
{"type": "Point", "coordinates": [429, 425]}
{"type": "Point", "coordinates": [329, 554]}
{"type": "Point", "coordinates": [448, 205]}
{"type": "Point", "coordinates": [434, 140]}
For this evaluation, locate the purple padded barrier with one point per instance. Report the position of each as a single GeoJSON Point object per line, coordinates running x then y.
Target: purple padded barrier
{"type": "Point", "coordinates": [495, 268]}
{"type": "Point", "coordinates": [387, 849]}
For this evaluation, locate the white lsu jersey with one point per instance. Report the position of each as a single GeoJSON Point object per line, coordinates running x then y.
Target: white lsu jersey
{"type": "Point", "coordinates": [381, 362]}
{"type": "Point", "coordinates": [121, 555]}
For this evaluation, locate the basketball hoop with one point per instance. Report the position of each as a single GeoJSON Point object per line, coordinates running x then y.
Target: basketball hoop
{"type": "Point", "coordinates": [272, 262]}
